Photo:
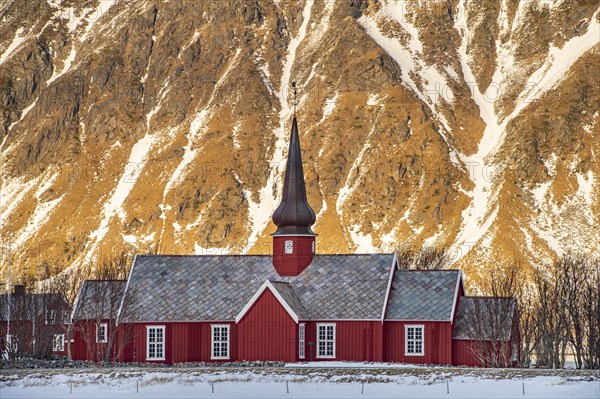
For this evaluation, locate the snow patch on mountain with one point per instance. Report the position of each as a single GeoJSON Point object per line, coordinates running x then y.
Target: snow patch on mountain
{"type": "Point", "coordinates": [556, 67]}
{"type": "Point", "coordinates": [13, 191]}
{"type": "Point", "coordinates": [67, 65]}
{"type": "Point", "coordinates": [23, 115]}
{"type": "Point", "coordinates": [329, 106]}
{"type": "Point", "coordinates": [433, 88]}
{"type": "Point", "coordinates": [18, 40]}
{"type": "Point", "coordinates": [262, 210]}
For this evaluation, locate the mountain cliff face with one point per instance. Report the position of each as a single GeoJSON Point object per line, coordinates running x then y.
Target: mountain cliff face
{"type": "Point", "coordinates": [163, 126]}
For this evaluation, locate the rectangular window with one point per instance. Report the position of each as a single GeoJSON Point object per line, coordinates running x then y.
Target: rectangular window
{"type": "Point", "coordinates": [102, 333]}
{"type": "Point", "coordinates": [326, 341]}
{"type": "Point", "coordinates": [58, 342]}
{"type": "Point", "coordinates": [50, 317]}
{"type": "Point", "coordinates": [301, 340]}
{"type": "Point", "coordinates": [155, 338]}
{"type": "Point", "coordinates": [289, 247]}
{"type": "Point", "coordinates": [220, 341]}
{"type": "Point", "coordinates": [12, 344]}
{"type": "Point", "coordinates": [414, 345]}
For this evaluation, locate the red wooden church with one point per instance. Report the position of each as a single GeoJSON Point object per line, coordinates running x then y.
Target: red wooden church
{"type": "Point", "coordinates": [293, 305]}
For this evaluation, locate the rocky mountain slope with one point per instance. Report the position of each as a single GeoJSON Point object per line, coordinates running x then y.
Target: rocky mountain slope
{"type": "Point", "coordinates": [162, 126]}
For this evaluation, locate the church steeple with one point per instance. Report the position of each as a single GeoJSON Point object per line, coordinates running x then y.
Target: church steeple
{"type": "Point", "coordinates": [294, 241]}
{"type": "Point", "coordinates": [294, 215]}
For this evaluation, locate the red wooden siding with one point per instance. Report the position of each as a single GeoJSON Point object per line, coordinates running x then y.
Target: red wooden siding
{"type": "Point", "coordinates": [267, 332]}
{"type": "Point", "coordinates": [464, 352]}
{"type": "Point", "coordinates": [92, 350]}
{"type": "Point", "coordinates": [184, 342]}
{"type": "Point", "coordinates": [437, 345]}
{"type": "Point", "coordinates": [355, 340]}
{"type": "Point", "coordinates": [292, 264]}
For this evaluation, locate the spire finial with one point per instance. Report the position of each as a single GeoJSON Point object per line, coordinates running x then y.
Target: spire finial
{"type": "Point", "coordinates": [295, 92]}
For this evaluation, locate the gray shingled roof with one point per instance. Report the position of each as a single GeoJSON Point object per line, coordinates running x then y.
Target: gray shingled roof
{"type": "Point", "coordinates": [484, 317]}
{"type": "Point", "coordinates": [422, 295]}
{"type": "Point", "coordinates": [29, 306]}
{"type": "Point", "coordinates": [289, 296]}
{"type": "Point", "coordinates": [99, 299]}
{"type": "Point", "coordinates": [205, 288]}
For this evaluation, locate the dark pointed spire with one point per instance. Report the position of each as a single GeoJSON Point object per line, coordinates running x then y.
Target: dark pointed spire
{"type": "Point", "coordinates": [294, 216]}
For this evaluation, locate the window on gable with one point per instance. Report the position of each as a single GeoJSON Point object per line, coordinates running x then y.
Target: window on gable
{"type": "Point", "coordinates": [289, 247]}
{"type": "Point", "coordinates": [326, 341]}
{"type": "Point", "coordinates": [301, 340]}
{"type": "Point", "coordinates": [155, 339]}
{"type": "Point", "coordinates": [220, 341]}
{"type": "Point", "coordinates": [414, 340]}
{"type": "Point", "coordinates": [58, 342]}
{"type": "Point", "coordinates": [102, 333]}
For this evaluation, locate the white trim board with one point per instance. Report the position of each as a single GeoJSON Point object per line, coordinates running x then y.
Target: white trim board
{"type": "Point", "coordinates": [126, 289]}
{"type": "Point", "coordinates": [389, 287]}
{"type": "Point", "coordinates": [456, 295]}
{"type": "Point", "coordinates": [266, 285]}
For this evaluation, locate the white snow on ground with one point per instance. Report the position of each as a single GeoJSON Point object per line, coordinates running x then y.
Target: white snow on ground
{"type": "Point", "coordinates": [17, 41]}
{"type": "Point", "coordinates": [67, 65]}
{"type": "Point", "coordinates": [317, 384]}
{"type": "Point", "coordinates": [260, 211]}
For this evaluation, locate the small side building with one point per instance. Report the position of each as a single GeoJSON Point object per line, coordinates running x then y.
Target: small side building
{"type": "Point", "coordinates": [486, 332]}
{"type": "Point", "coordinates": [96, 333]}
{"type": "Point", "coordinates": [33, 324]}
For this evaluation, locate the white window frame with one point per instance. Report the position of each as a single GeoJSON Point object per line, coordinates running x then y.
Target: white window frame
{"type": "Point", "coordinates": [302, 340]}
{"type": "Point", "coordinates": [220, 341]}
{"type": "Point", "coordinates": [98, 328]}
{"type": "Point", "coordinates": [12, 343]}
{"type": "Point", "coordinates": [61, 342]}
{"type": "Point", "coordinates": [161, 343]}
{"type": "Point", "coordinates": [289, 247]}
{"type": "Point", "coordinates": [50, 316]}
{"type": "Point", "coordinates": [325, 325]}
{"type": "Point", "coordinates": [414, 340]}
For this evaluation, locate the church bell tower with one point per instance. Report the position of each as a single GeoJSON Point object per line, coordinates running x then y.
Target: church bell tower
{"type": "Point", "coordinates": [294, 241]}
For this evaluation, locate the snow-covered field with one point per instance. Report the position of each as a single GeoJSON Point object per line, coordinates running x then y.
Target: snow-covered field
{"type": "Point", "coordinates": [305, 382]}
